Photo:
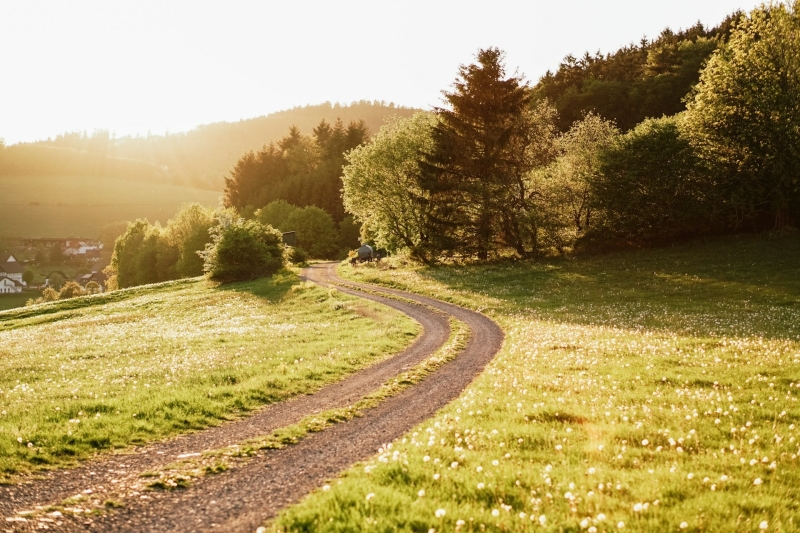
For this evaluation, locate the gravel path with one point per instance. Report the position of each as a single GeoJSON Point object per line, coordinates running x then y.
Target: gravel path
{"type": "Point", "coordinates": [252, 491]}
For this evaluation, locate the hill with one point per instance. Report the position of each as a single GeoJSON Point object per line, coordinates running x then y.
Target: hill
{"type": "Point", "coordinates": [79, 206]}
{"type": "Point", "coordinates": [199, 158]}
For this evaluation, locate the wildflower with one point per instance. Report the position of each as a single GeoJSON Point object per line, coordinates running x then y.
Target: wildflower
{"type": "Point", "coordinates": [584, 523]}
{"type": "Point", "coordinates": [460, 523]}
{"type": "Point", "coordinates": [481, 486]}
{"type": "Point", "coordinates": [370, 496]}
{"type": "Point", "coordinates": [645, 442]}
{"type": "Point", "coordinates": [436, 477]}
{"type": "Point", "coordinates": [542, 520]}
{"type": "Point", "coordinates": [620, 524]}
{"type": "Point", "coordinates": [637, 507]}
{"type": "Point", "coordinates": [683, 525]}
{"type": "Point", "coordinates": [600, 517]}
{"type": "Point", "coordinates": [440, 513]}
{"type": "Point", "coordinates": [763, 525]}
{"type": "Point", "coordinates": [421, 493]}
{"type": "Point", "coordinates": [495, 512]}
{"type": "Point", "coordinates": [326, 487]}
{"type": "Point", "coordinates": [757, 481]}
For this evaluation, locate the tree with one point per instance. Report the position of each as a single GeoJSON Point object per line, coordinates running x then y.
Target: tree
{"type": "Point", "coordinates": [349, 234]}
{"type": "Point", "coordinates": [475, 178]}
{"type": "Point", "coordinates": [744, 118]}
{"type": "Point", "coordinates": [186, 234]}
{"type": "Point", "coordinates": [56, 255]}
{"type": "Point", "coordinates": [276, 213]}
{"type": "Point", "coordinates": [382, 183]}
{"type": "Point", "coordinates": [651, 185]}
{"type": "Point", "coordinates": [577, 167]}
{"type": "Point", "coordinates": [71, 289]}
{"type": "Point", "coordinates": [316, 232]}
{"type": "Point", "coordinates": [135, 258]}
{"type": "Point", "coordinates": [28, 276]}
{"type": "Point", "coordinates": [55, 281]}
{"type": "Point", "coordinates": [242, 249]}
{"type": "Point", "coordinates": [92, 287]}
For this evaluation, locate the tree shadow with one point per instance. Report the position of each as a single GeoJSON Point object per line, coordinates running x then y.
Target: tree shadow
{"type": "Point", "coordinates": [272, 289]}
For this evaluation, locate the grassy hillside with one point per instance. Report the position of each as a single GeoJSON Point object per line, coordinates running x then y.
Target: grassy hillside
{"type": "Point", "coordinates": [78, 206]}
{"type": "Point", "coordinates": [103, 372]}
{"type": "Point", "coordinates": [650, 390]}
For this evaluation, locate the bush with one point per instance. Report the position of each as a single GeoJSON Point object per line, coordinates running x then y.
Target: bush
{"type": "Point", "coordinates": [297, 255]}
{"type": "Point", "coordinates": [70, 289]}
{"type": "Point", "coordinates": [652, 186]}
{"type": "Point", "coordinates": [316, 232]}
{"type": "Point", "coordinates": [276, 214]}
{"type": "Point", "coordinates": [242, 250]}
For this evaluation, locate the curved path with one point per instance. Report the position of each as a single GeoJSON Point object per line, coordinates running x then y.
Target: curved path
{"type": "Point", "coordinates": [255, 490]}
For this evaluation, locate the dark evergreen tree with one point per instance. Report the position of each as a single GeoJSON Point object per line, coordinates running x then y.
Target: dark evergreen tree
{"type": "Point", "coordinates": [474, 175]}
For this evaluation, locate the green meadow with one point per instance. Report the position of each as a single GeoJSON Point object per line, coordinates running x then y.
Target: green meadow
{"type": "Point", "coordinates": [104, 372]}
{"type": "Point", "coordinates": [78, 206]}
{"type": "Point", "coordinates": [651, 390]}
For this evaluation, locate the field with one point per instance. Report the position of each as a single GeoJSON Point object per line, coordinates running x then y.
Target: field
{"type": "Point", "coordinates": [644, 391]}
{"type": "Point", "coordinates": [10, 301]}
{"type": "Point", "coordinates": [103, 372]}
{"type": "Point", "coordinates": [70, 206]}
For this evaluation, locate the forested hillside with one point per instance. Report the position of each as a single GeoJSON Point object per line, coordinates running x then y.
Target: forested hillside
{"type": "Point", "coordinates": [200, 157]}
{"type": "Point", "coordinates": [641, 81]}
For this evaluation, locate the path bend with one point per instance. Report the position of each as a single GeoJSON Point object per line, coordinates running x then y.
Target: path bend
{"type": "Point", "coordinates": [244, 497]}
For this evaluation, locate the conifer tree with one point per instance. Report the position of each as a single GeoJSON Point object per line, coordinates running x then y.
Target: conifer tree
{"type": "Point", "coordinates": [475, 176]}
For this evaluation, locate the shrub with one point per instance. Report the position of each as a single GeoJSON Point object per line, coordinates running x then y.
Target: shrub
{"type": "Point", "coordinates": [71, 289]}
{"type": "Point", "coordinates": [316, 232]}
{"type": "Point", "coordinates": [242, 250]}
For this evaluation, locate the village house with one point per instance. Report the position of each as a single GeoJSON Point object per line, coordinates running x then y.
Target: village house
{"type": "Point", "coordinates": [11, 274]}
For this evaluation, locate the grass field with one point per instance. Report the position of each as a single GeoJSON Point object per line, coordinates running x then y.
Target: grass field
{"type": "Point", "coordinates": [127, 367]}
{"type": "Point", "coordinates": [642, 391]}
{"type": "Point", "coordinates": [10, 301]}
{"type": "Point", "coordinates": [73, 206]}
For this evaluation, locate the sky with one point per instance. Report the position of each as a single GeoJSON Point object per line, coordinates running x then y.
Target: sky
{"type": "Point", "coordinates": [134, 67]}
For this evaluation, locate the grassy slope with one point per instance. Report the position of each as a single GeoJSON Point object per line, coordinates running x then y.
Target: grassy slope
{"type": "Point", "coordinates": [654, 390]}
{"type": "Point", "coordinates": [127, 367]}
{"type": "Point", "coordinates": [10, 301]}
{"type": "Point", "coordinates": [75, 206]}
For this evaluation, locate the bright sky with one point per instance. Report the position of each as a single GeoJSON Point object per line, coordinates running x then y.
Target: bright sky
{"type": "Point", "coordinates": [138, 66]}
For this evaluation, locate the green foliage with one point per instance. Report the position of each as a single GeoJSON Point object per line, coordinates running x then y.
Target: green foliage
{"type": "Point", "coordinates": [316, 232]}
{"type": "Point", "coordinates": [135, 258]}
{"type": "Point", "coordinates": [28, 276]}
{"type": "Point", "coordinates": [55, 280]}
{"type": "Point", "coordinates": [242, 250]}
{"type": "Point", "coordinates": [92, 287]}
{"type": "Point", "coordinates": [635, 82]}
{"type": "Point", "coordinates": [302, 170]}
{"type": "Point", "coordinates": [71, 289]}
{"type": "Point", "coordinates": [349, 233]}
{"type": "Point", "coordinates": [652, 186]}
{"type": "Point", "coordinates": [484, 146]}
{"type": "Point", "coordinates": [567, 209]}
{"type": "Point", "coordinates": [381, 183]}
{"type": "Point", "coordinates": [744, 116]}
{"type": "Point", "coordinates": [186, 234]}
{"type": "Point", "coordinates": [55, 254]}
{"type": "Point", "coordinates": [276, 213]}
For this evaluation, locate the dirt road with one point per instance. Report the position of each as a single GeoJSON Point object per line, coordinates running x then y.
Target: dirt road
{"type": "Point", "coordinates": [251, 492]}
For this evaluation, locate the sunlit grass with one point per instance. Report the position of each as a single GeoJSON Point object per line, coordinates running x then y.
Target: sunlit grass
{"type": "Point", "coordinates": [133, 366]}
{"type": "Point", "coordinates": [644, 391]}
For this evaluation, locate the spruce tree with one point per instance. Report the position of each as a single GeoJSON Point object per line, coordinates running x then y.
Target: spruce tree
{"type": "Point", "coordinates": [475, 175]}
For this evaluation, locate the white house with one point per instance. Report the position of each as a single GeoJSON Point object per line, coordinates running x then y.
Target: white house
{"type": "Point", "coordinates": [8, 285]}
{"type": "Point", "coordinates": [11, 268]}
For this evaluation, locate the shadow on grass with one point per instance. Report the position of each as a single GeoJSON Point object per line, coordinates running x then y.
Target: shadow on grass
{"type": "Point", "coordinates": [742, 276]}
{"type": "Point", "coordinates": [272, 289]}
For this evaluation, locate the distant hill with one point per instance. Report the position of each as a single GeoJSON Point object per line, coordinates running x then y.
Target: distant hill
{"type": "Point", "coordinates": [198, 158]}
